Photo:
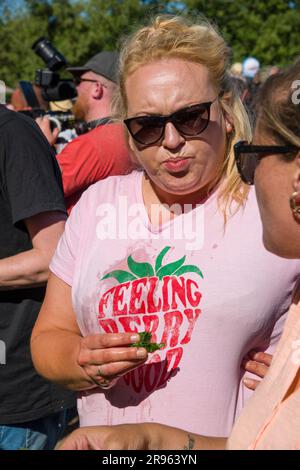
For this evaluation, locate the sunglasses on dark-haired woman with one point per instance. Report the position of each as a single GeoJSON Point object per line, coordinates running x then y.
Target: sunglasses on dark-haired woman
{"type": "Point", "coordinates": [189, 122]}
{"type": "Point", "coordinates": [247, 157]}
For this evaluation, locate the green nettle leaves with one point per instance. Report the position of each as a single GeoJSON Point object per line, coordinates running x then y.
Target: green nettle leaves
{"type": "Point", "coordinates": [145, 342]}
{"type": "Point", "coordinates": [140, 270]}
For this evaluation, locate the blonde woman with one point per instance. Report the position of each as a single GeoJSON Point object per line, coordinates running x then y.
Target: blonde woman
{"type": "Point", "coordinates": [270, 420]}
{"type": "Point", "coordinates": [174, 249]}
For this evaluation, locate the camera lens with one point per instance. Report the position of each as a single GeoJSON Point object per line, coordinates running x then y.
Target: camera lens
{"type": "Point", "coordinates": [52, 58]}
{"type": "Point", "coordinates": [64, 90]}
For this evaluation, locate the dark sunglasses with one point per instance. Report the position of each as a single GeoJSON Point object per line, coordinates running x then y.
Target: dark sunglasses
{"type": "Point", "coordinates": [247, 157]}
{"type": "Point", "coordinates": [189, 122]}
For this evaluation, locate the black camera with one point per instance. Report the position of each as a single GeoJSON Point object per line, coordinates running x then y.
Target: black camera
{"type": "Point", "coordinates": [58, 119]}
{"type": "Point", "coordinates": [61, 119]}
{"type": "Point", "coordinates": [54, 88]}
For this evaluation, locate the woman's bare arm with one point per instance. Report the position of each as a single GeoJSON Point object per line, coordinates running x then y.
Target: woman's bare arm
{"type": "Point", "coordinates": [55, 340]}
{"type": "Point", "coordinates": [145, 436]}
{"type": "Point", "coordinates": [62, 355]}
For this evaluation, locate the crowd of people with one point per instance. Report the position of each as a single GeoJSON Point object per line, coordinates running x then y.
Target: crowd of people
{"type": "Point", "coordinates": [149, 222]}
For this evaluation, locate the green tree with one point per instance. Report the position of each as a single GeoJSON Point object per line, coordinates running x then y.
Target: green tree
{"type": "Point", "coordinates": [269, 29]}
{"type": "Point", "coordinates": [77, 28]}
{"type": "Point", "coordinates": [19, 29]}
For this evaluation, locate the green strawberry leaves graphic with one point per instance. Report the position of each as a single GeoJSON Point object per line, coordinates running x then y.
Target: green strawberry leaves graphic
{"type": "Point", "coordinates": [140, 270]}
{"type": "Point", "coordinates": [158, 262]}
{"type": "Point", "coordinates": [121, 276]}
{"type": "Point", "coordinates": [188, 268]}
{"type": "Point", "coordinates": [170, 269]}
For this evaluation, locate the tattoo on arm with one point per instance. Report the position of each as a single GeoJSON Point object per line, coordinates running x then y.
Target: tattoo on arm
{"type": "Point", "coordinates": [191, 443]}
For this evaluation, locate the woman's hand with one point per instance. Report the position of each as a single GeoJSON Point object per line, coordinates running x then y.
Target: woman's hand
{"type": "Point", "coordinates": [143, 436]}
{"type": "Point", "coordinates": [44, 124]}
{"type": "Point", "coordinates": [122, 437]}
{"type": "Point", "coordinates": [257, 363]}
{"type": "Point", "coordinates": [106, 357]}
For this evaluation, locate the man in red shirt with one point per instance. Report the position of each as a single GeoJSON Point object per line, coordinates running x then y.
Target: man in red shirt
{"type": "Point", "coordinates": [103, 150]}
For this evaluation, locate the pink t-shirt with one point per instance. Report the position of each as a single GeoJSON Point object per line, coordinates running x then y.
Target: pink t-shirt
{"type": "Point", "coordinates": [209, 295]}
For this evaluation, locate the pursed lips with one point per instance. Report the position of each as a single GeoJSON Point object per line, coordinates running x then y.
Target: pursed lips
{"type": "Point", "coordinates": [177, 164]}
{"type": "Point", "coordinates": [175, 159]}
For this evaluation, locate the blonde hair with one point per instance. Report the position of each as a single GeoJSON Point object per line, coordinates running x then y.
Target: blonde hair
{"type": "Point", "coordinates": [177, 37]}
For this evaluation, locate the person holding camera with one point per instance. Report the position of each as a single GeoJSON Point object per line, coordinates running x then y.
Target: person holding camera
{"type": "Point", "coordinates": [102, 151]}
{"type": "Point", "coordinates": [33, 411]}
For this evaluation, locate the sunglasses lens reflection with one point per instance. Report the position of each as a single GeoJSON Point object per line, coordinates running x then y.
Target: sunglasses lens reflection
{"type": "Point", "coordinates": [192, 122]}
{"type": "Point", "coordinates": [247, 166]}
{"type": "Point", "coordinates": [146, 130]}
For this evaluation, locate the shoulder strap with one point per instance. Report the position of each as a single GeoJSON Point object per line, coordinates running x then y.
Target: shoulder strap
{"type": "Point", "coordinates": [29, 93]}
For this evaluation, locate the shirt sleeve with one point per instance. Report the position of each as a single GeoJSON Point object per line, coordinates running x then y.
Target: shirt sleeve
{"type": "Point", "coordinates": [32, 177]}
{"type": "Point", "coordinates": [64, 259]}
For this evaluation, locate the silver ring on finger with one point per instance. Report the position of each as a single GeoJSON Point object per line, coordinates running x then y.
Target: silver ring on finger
{"type": "Point", "coordinates": [102, 381]}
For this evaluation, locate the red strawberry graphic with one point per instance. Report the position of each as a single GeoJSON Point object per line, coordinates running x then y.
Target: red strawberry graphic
{"type": "Point", "coordinates": [159, 300]}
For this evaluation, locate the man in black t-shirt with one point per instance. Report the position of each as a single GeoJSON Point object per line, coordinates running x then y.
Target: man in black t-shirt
{"type": "Point", "coordinates": [32, 218]}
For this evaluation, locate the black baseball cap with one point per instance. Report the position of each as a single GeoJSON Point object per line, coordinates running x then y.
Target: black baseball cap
{"type": "Point", "coordinates": [104, 63]}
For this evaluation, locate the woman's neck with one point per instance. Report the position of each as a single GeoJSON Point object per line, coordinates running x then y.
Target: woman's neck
{"type": "Point", "coordinates": [166, 205]}
{"type": "Point", "coordinates": [155, 195]}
